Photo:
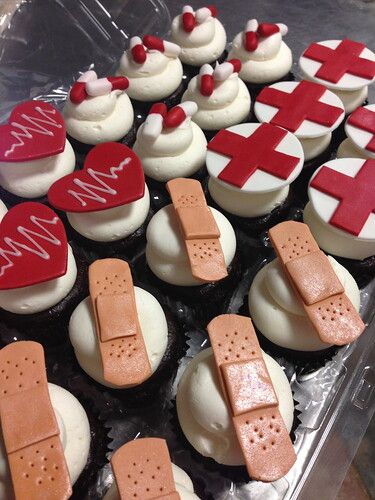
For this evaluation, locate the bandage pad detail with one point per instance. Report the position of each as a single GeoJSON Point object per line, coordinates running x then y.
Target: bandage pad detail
{"type": "Point", "coordinates": [199, 229]}
{"type": "Point", "coordinates": [122, 348]}
{"type": "Point", "coordinates": [143, 470]}
{"type": "Point", "coordinates": [322, 295]}
{"type": "Point", "coordinates": [31, 434]}
{"type": "Point", "coordinates": [246, 384]}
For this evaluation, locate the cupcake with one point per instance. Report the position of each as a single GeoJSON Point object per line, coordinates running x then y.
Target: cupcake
{"type": "Point", "coordinates": [169, 144]}
{"type": "Point", "coordinates": [34, 152]}
{"type": "Point", "coordinates": [45, 439]}
{"type": "Point", "coordinates": [221, 96]}
{"type": "Point", "coordinates": [344, 66]}
{"type": "Point", "coordinates": [251, 167]}
{"type": "Point", "coordinates": [360, 129]}
{"type": "Point", "coordinates": [154, 72]}
{"type": "Point", "coordinates": [107, 202]}
{"type": "Point", "coordinates": [36, 302]}
{"type": "Point", "coordinates": [234, 402]}
{"type": "Point", "coordinates": [303, 301]}
{"type": "Point", "coordinates": [99, 110]}
{"type": "Point", "coordinates": [264, 56]}
{"type": "Point", "coordinates": [340, 213]}
{"type": "Point", "coordinates": [151, 470]}
{"type": "Point", "coordinates": [308, 110]}
{"type": "Point", "coordinates": [201, 36]}
{"type": "Point", "coordinates": [190, 246]}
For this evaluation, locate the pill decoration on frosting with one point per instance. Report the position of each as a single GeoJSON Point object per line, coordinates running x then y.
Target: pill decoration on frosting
{"type": "Point", "coordinates": [151, 475]}
{"type": "Point", "coordinates": [32, 238]}
{"type": "Point", "coordinates": [199, 230]}
{"type": "Point", "coordinates": [34, 439]}
{"type": "Point", "coordinates": [209, 76]}
{"type": "Point", "coordinates": [360, 128]}
{"type": "Point", "coordinates": [159, 117]}
{"type": "Point", "coordinates": [122, 348]}
{"type": "Point", "coordinates": [331, 313]}
{"type": "Point", "coordinates": [112, 176]}
{"type": "Point", "coordinates": [246, 384]}
{"type": "Point", "coordinates": [89, 85]}
{"type": "Point", "coordinates": [254, 33]}
{"type": "Point", "coordinates": [35, 130]}
{"type": "Point", "coordinates": [190, 19]}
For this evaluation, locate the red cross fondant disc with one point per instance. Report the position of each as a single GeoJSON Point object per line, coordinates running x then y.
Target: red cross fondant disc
{"type": "Point", "coordinates": [255, 158]}
{"type": "Point", "coordinates": [342, 195]}
{"type": "Point", "coordinates": [339, 64]}
{"type": "Point", "coordinates": [360, 128]}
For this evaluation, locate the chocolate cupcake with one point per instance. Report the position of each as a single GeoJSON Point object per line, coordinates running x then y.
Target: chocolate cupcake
{"type": "Point", "coordinates": [34, 152]}
{"type": "Point", "coordinates": [36, 302]}
{"type": "Point", "coordinates": [360, 129]}
{"type": "Point", "coordinates": [106, 203]}
{"type": "Point", "coordinates": [45, 431]}
{"type": "Point", "coordinates": [99, 110]}
{"type": "Point", "coordinates": [201, 36]}
{"type": "Point", "coordinates": [346, 67]}
{"type": "Point", "coordinates": [340, 213]}
{"type": "Point", "coordinates": [154, 72]}
{"type": "Point", "coordinates": [227, 414]}
{"type": "Point", "coordinates": [251, 167]}
{"type": "Point", "coordinates": [221, 96]}
{"type": "Point", "coordinates": [264, 55]}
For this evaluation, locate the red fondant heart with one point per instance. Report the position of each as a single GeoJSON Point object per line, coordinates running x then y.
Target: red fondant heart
{"type": "Point", "coordinates": [35, 129]}
{"type": "Point", "coordinates": [33, 246]}
{"type": "Point", "coordinates": [112, 176]}
{"type": "Point", "coordinates": [266, 29]}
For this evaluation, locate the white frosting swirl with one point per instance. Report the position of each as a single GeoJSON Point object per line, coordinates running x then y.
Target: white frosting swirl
{"type": "Point", "coordinates": [166, 252]}
{"type": "Point", "coordinates": [40, 297]}
{"type": "Point", "coordinates": [271, 60]}
{"type": "Point", "coordinates": [99, 119]}
{"type": "Point", "coordinates": [3, 210]}
{"type": "Point", "coordinates": [203, 412]}
{"type": "Point", "coordinates": [228, 105]}
{"type": "Point", "coordinates": [112, 224]}
{"type": "Point", "coordinates": [32, 179]}
{"type": "Point", "coordinates": [277, 311]}
{"type": "Point", "coordinates": [203, 45]}
{"type": "Point", "coordinates": [74, 435]}
{"type": "Point", "coordinates": [83, 337]}
{"type": "Point", "coordinates": [176, 152]}
{"type": "Point", "coordinates": [157, 78]}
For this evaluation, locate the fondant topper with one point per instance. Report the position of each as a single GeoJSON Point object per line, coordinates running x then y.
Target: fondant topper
{"type": "Point", "coordinates": [89, 85]}
{"type": "Point", "coordinates": [255, 32]}
{"type": "Point", "coordinates": [191, 19]}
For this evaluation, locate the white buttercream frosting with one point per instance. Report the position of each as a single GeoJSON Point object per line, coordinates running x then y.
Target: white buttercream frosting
{"type": "Point", "coordinates": [352, 99]}
{"type": "Point", "coordinates": [277, 311]}
{"type": "Point", "coordinates": [157, 78]}
{"type": "Point", "coordinates": [184, 486]}
{"type": "Point", "coordinates": [203, 411]}
{"type": "Point", "coordinates": [315, 146]}
{"type": "Point", "coordinates": [74, 435]}
{"type": "Point", "coordinates": [99, 119]}
{"type": "Point", "coordinates": [176, 152]}
{"type": "Point", "coordinates": [166, 253]}
{"type": "Point", "coordinates": [228, 105]}
{"type": "Point", "coordinates": [3, 210]}
{"type": "Point", "coordinates": [83, 336]}
{"type": "Point", "coordinates": [203, 45]}
{"type": "Point", "coordinates": [348, 150]}
{"type": "Point", "coordinates": [40, 297]}
{"type": "Point", "coordinates": [32, 179]}
{"type": "Point", "coordinates": [112, 224]}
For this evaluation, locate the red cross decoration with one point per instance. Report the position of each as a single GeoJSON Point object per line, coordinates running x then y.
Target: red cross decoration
{"type": "Point", "coordinates": [249, 154]}
{"type": "Point", "coordinates": [341, 60]}
{"type": "Point", "coordinates": [356, 195]}
{"type": "Point", "coordinates": [301, 104]}
{"type": "Point", "coordinates": [364, 119]}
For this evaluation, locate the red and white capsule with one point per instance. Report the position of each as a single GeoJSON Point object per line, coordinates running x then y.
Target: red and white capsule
{"type": "Point", "coordinates": [78, 92]}
{"type": "Point", "coordinates": [226, 69]}
{"type": "Point", "coordinates": [207, 83]}
{"type": "Point", "coordinates": [188, 19]}
{"type": "Point", "coordinates": [179, 113]}
{"type": "Point", "coordinates": [168, 48]}
{"type": "Point", "coordinates": [104, 86]}
{"type": "Point", "coordinates": [204, 13]}
{"type": "Point", "coordinates": [137, 50]}
{"type": "Point", "coordinates": [153, 124]}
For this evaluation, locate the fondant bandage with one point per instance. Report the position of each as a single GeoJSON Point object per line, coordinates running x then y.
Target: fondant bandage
{"type": "Point", "coordinates": [260, 429]}
{"type": "Point", "coordinates": [122, 348]}
{"type": "Point", "coordinates": [328, 308]}
{"type": "Point", "coordinates": [143, 470]}
{"type": "Point", "coordinates": [31, 434]}
{"type": "Point", "coordinates": [199, 229]}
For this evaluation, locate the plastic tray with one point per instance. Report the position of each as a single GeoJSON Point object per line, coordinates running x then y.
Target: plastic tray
{"type": "Point", "coordinates": [44, 44]}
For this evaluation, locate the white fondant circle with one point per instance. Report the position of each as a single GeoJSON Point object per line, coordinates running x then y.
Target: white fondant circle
{"type": "Point", "coordinates": [359, 136]}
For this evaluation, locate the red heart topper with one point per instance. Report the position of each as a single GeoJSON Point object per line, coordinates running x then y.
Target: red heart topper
{"type": "Point", "coordinates": [112, 176]}
{"type": "Point", "coordinates": [35, 129]}
{"type": "Point", "coordinates": [33, 246]}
